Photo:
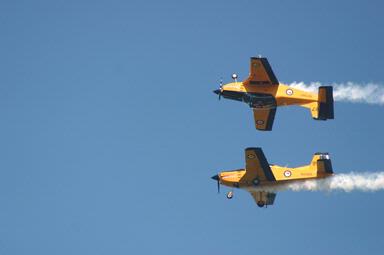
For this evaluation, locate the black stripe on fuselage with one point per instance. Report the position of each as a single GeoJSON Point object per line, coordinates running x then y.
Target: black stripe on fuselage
{"type": "Point", "coordinates": [234, 95]}
{"type": "Point", "coordinates": [255, 100]}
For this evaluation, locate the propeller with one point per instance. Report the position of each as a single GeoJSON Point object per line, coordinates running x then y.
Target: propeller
{"type": "Point", "coordinates": [216, 177]}
{"type": "Point", "coordinates": [221, 87]}
{"type": "Point", "coordinates": [218, 91]}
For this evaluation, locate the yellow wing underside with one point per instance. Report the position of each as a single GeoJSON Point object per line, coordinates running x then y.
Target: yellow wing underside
{"type": "Point", "coordinates": [264, 118]}
{"type": "Point", "coordinates": [261, 73]}
{"type": "Point", "coordinates": [256, 166]}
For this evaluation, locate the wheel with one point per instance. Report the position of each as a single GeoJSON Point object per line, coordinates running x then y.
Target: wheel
{"type": "Point", "coordinates": [256, 181]}
{"type": "Point", "coordinates": [230, 195]}
{"type": "Point", "coordinates": [260, 204]}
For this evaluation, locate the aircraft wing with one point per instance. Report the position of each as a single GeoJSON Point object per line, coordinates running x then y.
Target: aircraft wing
{"type": "Point", "coordinates": [264, 118]}
{"type": "Point", "coordinates": [263, 198]}
{"type": "Point", "coordinates": [261, 73]}
{"type": "Point", "coordinates": [256, 166]}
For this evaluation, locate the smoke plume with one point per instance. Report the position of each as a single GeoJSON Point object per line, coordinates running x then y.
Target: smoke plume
{"type": "Point", "coordinates": [369, 93]}
{"type": "Point", "coordinates": [342, 182]}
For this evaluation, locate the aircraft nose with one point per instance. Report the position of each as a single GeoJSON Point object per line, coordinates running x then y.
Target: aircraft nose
{"type": "Point", "coordinates": [215, 177]}
{"type": "Point", "coordinates": [217, 91]}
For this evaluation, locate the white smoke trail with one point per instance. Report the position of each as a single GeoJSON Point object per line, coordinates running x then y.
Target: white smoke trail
{"type": "Point", "coordinates": [343, 182]}
{"type": "Point", "coordinates": [370, 93]}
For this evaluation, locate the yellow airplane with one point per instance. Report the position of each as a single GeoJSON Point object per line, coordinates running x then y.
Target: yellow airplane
{"type": "Point", "coordinates": [262, 179]}
{"type": "Point", "coordinates": [263, 93]}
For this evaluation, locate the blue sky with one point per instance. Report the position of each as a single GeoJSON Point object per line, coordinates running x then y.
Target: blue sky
{"type": "Point", "coordinates": [110, 131]}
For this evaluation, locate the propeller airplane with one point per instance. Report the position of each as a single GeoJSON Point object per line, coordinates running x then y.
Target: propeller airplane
{"type": "Point", "coordinates": [263, 93]}
{"type": "Point", "coordinates": [262, 179]}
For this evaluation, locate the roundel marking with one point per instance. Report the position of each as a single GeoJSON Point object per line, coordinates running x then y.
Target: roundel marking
{"type": "Point", "coordinates": [289, 92]}
{"type": "Point", "coordinates": [259, 122]}
{"type": "Point", "coordinates": [287, 173]}
{"type": "Point", "coordinates": [251, 156]}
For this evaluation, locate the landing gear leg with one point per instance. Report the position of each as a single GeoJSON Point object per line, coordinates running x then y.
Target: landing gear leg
{"type": "Point", "coordinates": [230, 195]}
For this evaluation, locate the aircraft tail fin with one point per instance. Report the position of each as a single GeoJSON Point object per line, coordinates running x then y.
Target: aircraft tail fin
{"type": "Point", "coordinates": [325, 103]}
{"type": "Point", "coordinates": [322, 163]}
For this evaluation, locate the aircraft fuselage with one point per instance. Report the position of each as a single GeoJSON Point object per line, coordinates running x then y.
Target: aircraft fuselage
{"type": "Point", "coordinates": [266, 96]}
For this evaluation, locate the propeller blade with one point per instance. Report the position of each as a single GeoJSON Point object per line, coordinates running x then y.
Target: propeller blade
{"type": "Point", "coordinates": [220, 87]}
{"type": "Point", "coordinates": [216, 177]}
{"type": "Point", "coordinates": [218, 92]}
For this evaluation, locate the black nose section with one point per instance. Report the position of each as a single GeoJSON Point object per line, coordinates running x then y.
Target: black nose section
{"type": "Point", "coordinates": [217, 91]}
{"type": "Point", "coordinates": [215, 177]}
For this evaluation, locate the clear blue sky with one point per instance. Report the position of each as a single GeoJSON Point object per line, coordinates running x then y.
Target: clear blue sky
{"type": "Point", "coordinates": [110, 131]}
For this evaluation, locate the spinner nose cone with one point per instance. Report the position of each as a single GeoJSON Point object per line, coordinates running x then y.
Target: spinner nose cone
{"type": "Point", "coordinates": [215, 177]}
{"type": "Point", "coordinates": [217, 91]}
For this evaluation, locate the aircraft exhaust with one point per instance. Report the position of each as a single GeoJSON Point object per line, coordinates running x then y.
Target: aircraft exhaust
{"type": "Point", "coordinates": [366, 182]}
{"type": "Point", "coordinates": [369, 93]}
